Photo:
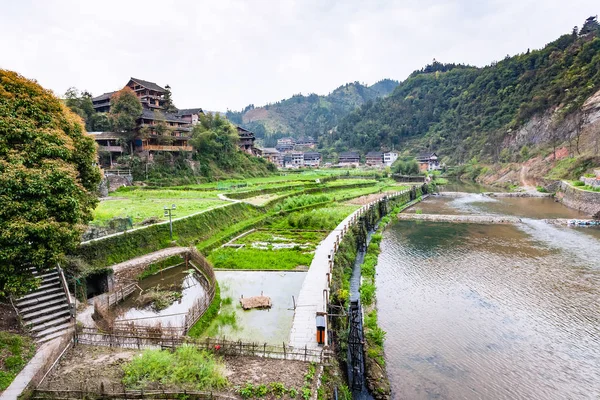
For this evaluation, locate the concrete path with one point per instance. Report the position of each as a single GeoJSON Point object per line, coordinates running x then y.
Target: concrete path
{"type": "Point", "coordinates": [31, 369]}
{"type": "Point", "coordinates": [314, 294]}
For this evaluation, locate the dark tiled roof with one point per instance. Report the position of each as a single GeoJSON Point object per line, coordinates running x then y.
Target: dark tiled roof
{"type": "Point", "coordinates": [149, 85]}
{"type": "Point", "coordinates": [349, 154]}
{"type": "Point", "coordinates": [312, 156]}
{"type": "Point", "coordinates": [104, 96]}
{"type": "Point", "coordinates": [189, 111]}
{"type": "Point", "coordinates": [426, 156]}
{"type": "Point", "coordinates": [375, 154]}
{"type": "Point", "coordinates": [149, 114]}
{"type": "Point", "coordinates": [270, 150]}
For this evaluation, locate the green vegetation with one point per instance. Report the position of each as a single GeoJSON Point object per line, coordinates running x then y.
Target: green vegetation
{"type": "Point", "coordinates": [571, 168]}
{"type": "Point", "coordinates": [198, 329]}
{"type": "Point", "coordinates": [463, 111]}
{"type": "Point", "coordinates": [326, 218]}
{"type": "Point", "coordinates": [48, 181]}
{"type": "Point", "coordinates": [15, 351]}
{"type": "Point", "coordinates": [249, 258]}
{"type": "Point", "coordinates": [310, 115]}
{"type": "Point", "coordinates": [145, 208]}
{"type": "Point", "coordinates": [276, 389]}
{"type": "Point", "coordinates": [187, 367]}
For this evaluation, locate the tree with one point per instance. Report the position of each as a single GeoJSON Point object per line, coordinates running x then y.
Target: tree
{"type": "Point", "coordinates": [48, 180]}
{"type": "Point", "coordinates": [591, 25]}
{"type": "Point", "coordinates": [214, 138]}
{"type": "Point", "coordinates": [81, 104]}
{"type": "Point", "coordinates": [125, 109]}
{"type": "Point", "coordinates": [168, 104]}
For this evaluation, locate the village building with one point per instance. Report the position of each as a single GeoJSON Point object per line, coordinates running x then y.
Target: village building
{"type": "Point", "coordinates": [272, 155]}
{"type": "Point", "coordinates": [389, 158]}
{"type": "Point", "coordinates": [374, 158]}
{"type": "Point", "coordinates": [428, 161]}
{"type": "Point", "coordinates": [162, 131]}
{"type": "Point", "coordinates": [349, 158]}
{"type": "Point", "coordinates": [305, 142]}
{"type": "Point", "coordinates": [191, 115]}
{"type": "Point", "coordinates": [109, 146]}
{"type": "Point", "coordinates": [247, 139]}
{"type": "Point", "coordinates": [312, 159]}
{"type": "Point", "coordinates": [285, 144]}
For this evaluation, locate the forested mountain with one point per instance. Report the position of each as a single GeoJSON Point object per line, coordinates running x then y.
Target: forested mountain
{"type": "Point", "coordinates": [311, 115]}
{"type": "Point", "coordinates": [463, 111]}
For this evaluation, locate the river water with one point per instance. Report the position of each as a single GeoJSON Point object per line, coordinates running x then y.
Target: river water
{"type": "Point", "coordinates": [491, 311]}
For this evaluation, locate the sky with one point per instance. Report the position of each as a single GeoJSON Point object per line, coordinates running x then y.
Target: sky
{"type": "Point", "coordinates": [226, 54]}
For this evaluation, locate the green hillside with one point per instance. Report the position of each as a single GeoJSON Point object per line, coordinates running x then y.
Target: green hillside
{"type": "Point", "coordinates": [464, 112]}
{"type": "Point", "coordinates": [311, 115]}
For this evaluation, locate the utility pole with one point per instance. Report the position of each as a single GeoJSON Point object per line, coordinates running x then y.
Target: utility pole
{"type": "Point", "coordinates": [169, 213]}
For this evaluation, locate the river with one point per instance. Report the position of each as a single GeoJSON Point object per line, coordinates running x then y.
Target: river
{"type": "Point", "coordinates": [491, 311]}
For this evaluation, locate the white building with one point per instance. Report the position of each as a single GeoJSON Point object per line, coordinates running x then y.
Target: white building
{"type": "Point", "coordinates": [389, 158]}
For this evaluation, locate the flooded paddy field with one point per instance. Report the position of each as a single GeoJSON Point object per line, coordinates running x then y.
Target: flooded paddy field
{"type": "Point", "coordinates": [491, 311]}
{"type": "Point", "coordinates": [270, 326]}
{"type": "Point", "coordinates": [176, 289]}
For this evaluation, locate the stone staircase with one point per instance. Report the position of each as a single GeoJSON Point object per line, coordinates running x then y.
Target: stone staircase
{"type": "Point", "coordinates": [47, 312]}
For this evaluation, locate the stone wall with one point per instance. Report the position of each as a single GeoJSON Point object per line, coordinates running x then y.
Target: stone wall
{"type": "Point", "coordinates": [593, 182]}
{"type": "Point", "coordinates": [582, 200]}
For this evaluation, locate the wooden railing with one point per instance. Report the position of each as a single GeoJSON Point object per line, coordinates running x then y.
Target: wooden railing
{"type": "Point", "coordinates": [118, 149]}
{"type": "Point", "coordinates": [117, 172]}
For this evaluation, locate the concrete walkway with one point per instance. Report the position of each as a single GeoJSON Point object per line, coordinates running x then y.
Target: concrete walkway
{"type": "Point", "coordinates": [314, 294]}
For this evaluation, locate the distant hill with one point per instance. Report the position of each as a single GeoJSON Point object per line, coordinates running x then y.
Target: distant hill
{"type": "Point", "coordinates": [463, 112]}
{"type": "Point", "coordinates": [310, 115]}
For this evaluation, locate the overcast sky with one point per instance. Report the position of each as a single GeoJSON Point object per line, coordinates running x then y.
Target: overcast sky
{"type": "Point", "coordinates": [229, 53]}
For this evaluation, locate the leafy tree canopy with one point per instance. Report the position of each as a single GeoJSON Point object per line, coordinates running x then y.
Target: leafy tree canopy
{"type": "Point", "coordinates": [48, 180]}
{"type": "Point", "coordinates": [125, 109]}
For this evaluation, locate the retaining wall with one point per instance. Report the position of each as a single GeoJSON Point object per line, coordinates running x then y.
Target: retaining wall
{"type": "Point", "coordinates": [582, 200]}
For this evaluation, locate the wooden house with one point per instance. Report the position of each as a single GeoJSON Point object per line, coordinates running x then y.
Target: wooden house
{"type": "Point", "coordinates": [374, 158]}
{"type": "Point", "coordinates": [428, 161]}
{"type": "Point", "coordinates": [312, 159]}
{"type": "Point", "coordinates": [349, 158]}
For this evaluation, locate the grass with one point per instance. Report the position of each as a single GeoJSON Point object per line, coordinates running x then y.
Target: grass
{"type": "Point", "coordinates": [283, 236]}
{"type": "Point", "coordinates": [249, 258]}
{"type": "Point", "coordinates": [198, 329]}
{"type": "Point", "coordinates": [141, 208]}
{"type": "Point", "coordinates": [15, 351]}
{"type": "Point", "coordinates": [326, 218]}
{"type": "Point", "coordinates": [186, 367]}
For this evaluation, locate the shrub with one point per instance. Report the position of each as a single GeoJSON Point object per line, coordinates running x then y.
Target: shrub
{"type": "Point", "coordinates": [188, 367]}
{"type": "Point", "coordinates": [578, 183]}
{"type": "Point", "coordinates": [367, 293]}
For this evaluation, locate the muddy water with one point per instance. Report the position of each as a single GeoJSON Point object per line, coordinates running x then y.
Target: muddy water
{"type": "Point", "coordinates": [176, 278]}
{"type": "Point", "coordinates": [491, 311]}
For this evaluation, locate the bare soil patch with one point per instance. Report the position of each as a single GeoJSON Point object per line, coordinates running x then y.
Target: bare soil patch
{"type": "Point", "coordinates": [90, 367]}
{"type": "Point", "coordinates": [8, 319]}
{"type": "Point", "coordinates": [362, 200]}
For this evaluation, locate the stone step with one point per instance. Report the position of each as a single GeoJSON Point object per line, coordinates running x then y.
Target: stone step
{"type": "Point", "coordinates": [49, 316]}
{"type": "Point", "coordinates": [55, 334]}
{"type": "Point", "coordinates": [50, 324]}
{"type": "Point", "coordinates": [45, 334]}
{"type": "Point", "coordinates": [40, 293]}
{"type": "Point", "coordinates": [41, 306]}
{"type": "Point", "coordinates": [60, 304]}
{"type": "Point", "coordinates": [42, 299]}
{"type": "Point", "coordinates": [47, 285]}
{"type": "Point", "coordinates": [51, 278]}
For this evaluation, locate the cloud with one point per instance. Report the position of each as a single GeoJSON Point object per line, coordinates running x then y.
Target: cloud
{"type": "Point", "coordinates": [229, 53]}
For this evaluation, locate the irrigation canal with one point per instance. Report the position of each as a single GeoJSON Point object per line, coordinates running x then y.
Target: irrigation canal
{"type": "Point", "coordinates": [493, 311]}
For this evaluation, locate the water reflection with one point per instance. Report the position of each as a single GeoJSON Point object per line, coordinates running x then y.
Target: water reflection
{"type": "Point", "coordinates": [490, 311]}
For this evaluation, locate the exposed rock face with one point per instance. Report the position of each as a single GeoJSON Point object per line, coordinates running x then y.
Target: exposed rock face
{"type": "Point", "coordinates": [543, 129]}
